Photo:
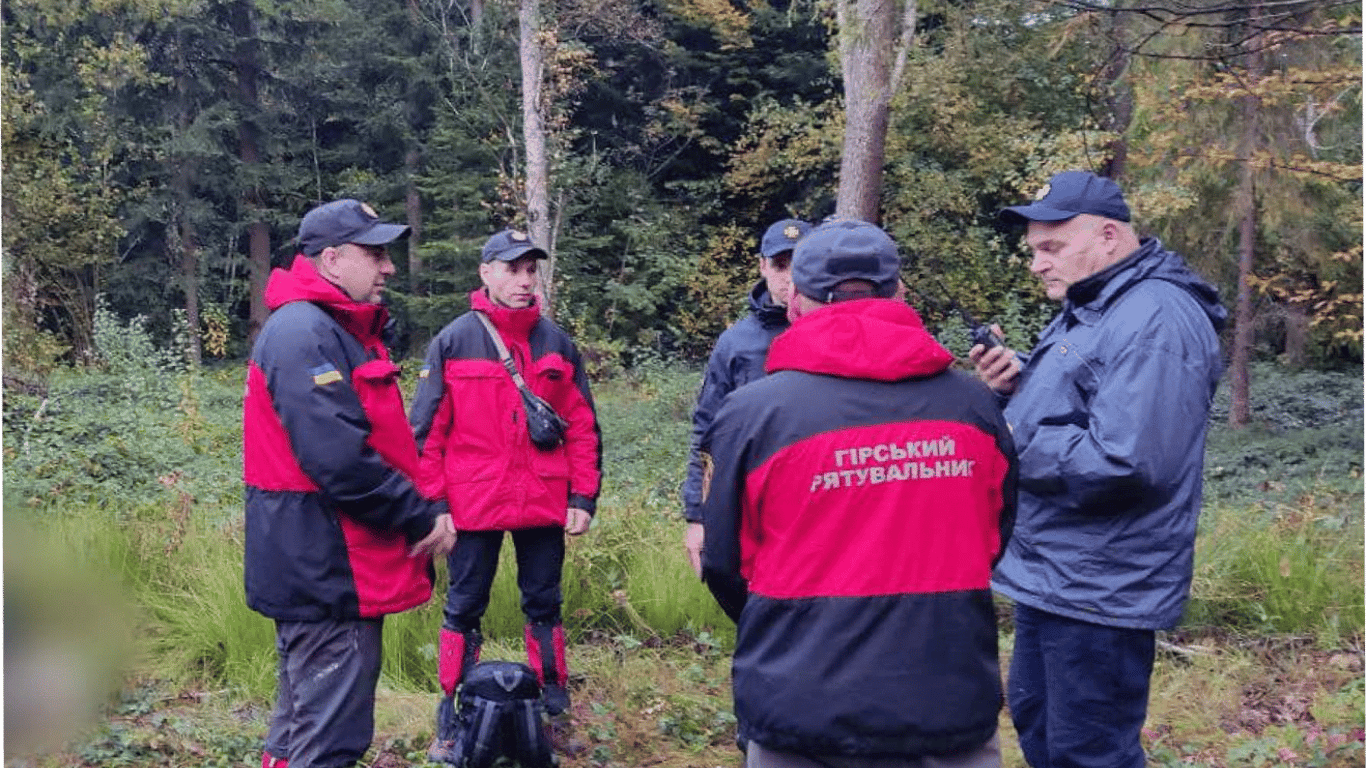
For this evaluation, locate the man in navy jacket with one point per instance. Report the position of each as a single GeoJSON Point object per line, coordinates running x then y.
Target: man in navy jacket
{"type": "Point", "coordinates": [1109, 413]}
{"type": "Point", "coordinates": [860, 494]}
{"type": "Point", "coordinates": [738, 358]}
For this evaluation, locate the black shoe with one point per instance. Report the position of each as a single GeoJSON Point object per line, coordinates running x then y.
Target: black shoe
{"type": "Point", "coordinates": [442, 749]}
{"type": "Point", "coordinates": [556, 699]}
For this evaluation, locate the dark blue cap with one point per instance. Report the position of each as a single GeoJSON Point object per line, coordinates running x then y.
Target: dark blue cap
{"type": "Point", "coordinates": [841, 250]}
{"type": "Point", "coordinates": [782, 236]}
{"type": "Point", "coordinates": [345, 221]}
{"type": "Point", "coordinates": [1069, 194]}
{"type": "Point", "coordinates": [510, 245]}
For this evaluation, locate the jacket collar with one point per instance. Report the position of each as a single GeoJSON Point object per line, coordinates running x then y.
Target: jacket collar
{"type": "Point", "coordinates": [301, 282]}
{"type": "Point", "coordinates": [513, 323]}
{"type": "Point", "coordinates": [1088, 298]}
{"type": "Point", "coordinates": [765, 310]}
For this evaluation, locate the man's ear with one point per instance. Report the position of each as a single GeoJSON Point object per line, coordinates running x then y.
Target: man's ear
{"type": "Point", "coordinates": [1110, 233]}
{"type": "Point", "coordinates": [327, 260]}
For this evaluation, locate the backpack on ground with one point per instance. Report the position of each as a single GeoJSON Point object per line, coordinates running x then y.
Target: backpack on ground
{"type": "Point", "coordinates": [500, 715]}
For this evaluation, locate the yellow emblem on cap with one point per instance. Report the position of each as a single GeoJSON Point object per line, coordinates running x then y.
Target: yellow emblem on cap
{"type": "Point", "coordinates": [369, 211]}
{"type": "Point", "coordinates": [791, 232]}
{"type": "Point", "coordinates": [515, 235]}
{"type": "Point", "coordinates": [1043, 192]}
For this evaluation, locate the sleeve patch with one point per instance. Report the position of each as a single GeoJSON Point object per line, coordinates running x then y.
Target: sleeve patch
{"type": "Point", "coordinates": [325, 374]}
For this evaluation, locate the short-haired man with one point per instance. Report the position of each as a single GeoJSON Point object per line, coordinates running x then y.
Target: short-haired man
{"type": "Point", "coordinates": [1109, 414]}
{"type": "Point", "coordinates": [860, 494]}
{"type": "Point", "coordinates": [470, 424]}
{"type": "Point", "coordinates": [738, 358]}
{"type": "Point", "coordinates": [337, 535]}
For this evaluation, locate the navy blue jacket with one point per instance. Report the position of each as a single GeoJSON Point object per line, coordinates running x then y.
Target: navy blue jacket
{"type": "Point", "coordinates": [736, 360]}
{"type": "Point", "coordinates": [1110, 417]}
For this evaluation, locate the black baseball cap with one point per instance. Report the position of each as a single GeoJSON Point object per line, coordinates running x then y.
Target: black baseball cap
{"type": "Point", "coordinates": [841, 250]}
{"type": "Point", "coordinates": [1069, 194]}
{"type": "Point", "coordinates": [782, 236]}
{"type": "Point", "coordinates": [345, 221]}
{"type": "Point", "coordinates": [510, 245]}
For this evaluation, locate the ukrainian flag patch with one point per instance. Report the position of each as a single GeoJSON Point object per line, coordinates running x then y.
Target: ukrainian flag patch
{"type": "Point", "coordinates": [325, 374]}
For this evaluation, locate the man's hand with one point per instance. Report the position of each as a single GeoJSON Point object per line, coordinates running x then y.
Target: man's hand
{"type": "Point", "coordinates": [692, 540]}
{"type": "Point", "coordinates": [998, 367]}
{"type": "Point", "coordinates": [439, 542]}
{"type": "Point", "coordinates": [576, 521]}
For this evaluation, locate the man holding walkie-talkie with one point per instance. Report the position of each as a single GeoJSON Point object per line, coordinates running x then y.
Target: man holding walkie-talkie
{"type": "Point", "coordinates": [1109, 413]}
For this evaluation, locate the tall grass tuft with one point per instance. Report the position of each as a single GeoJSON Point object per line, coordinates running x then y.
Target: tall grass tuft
{"type": "Point", "coordinates": [1297, 571]}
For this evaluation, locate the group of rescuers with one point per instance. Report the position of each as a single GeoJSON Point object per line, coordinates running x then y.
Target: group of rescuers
{"type": "Point", "coordinates": [853, 498]}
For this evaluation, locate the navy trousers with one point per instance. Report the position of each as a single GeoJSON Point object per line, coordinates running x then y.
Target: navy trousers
{"type": "Point", "coordinates": [325, 707]}
{"type": "Point", "coordinates": [1078, 692]}
{"type": "Point", "coordinates": [474, 562]}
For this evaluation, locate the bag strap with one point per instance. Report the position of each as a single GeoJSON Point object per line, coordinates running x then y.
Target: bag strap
{"type": "Point", "coordinates": [503, 353]}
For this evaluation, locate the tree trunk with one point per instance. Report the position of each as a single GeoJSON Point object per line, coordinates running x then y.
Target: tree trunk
{"type": "Point", "coordinates": [1119, 97]}
{"type": "Point", "coordinates": [249, 151]}
{"type": "Point", "coordinates": [1296, 336]}
{"type": "Point", "coordinates": [1240, 414]}
{"type": "Point", "coordinates": [866, 52]}
{"type": "Point", "coordinates": [185, 245]}
{"type": "Point", "coordinates": [534, 139]}
{"type": "Point", "coordinates": [413, 209]}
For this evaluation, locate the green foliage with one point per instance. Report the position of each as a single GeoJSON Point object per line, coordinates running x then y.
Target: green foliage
{"type": "Point", "coordinates": [1305, 440]}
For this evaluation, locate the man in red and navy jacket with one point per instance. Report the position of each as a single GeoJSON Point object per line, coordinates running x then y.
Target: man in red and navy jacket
{"type": "Point", "coordinates": [337, 534]}
{"type": "Point", "coordinates": [471, 429]}
{"type": "Point", "coordinates": [859, 496]}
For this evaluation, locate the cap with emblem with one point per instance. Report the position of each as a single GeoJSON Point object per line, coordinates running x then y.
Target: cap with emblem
{"type": "Point", "coordinates": [1069, 194]}
{"type": "Point", "coordinates": [845, 250]}
{"type": "Point", "coordinates": [510, 245]}
{"type": "Point", "coordinates": [782, 236]}
{"type": "Point", "coordinates": [345, 221]}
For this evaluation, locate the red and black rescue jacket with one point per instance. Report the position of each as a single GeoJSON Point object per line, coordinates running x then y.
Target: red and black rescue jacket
{"type": "Point", "coordinates": [328, 461]}
{"type": "Point", "coordinates": [471, 429]}
{"type": "Point", "coordinates": [860, 495]}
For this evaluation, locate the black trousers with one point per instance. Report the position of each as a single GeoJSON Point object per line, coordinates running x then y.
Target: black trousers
{"type": "Point", "coordinates": [474, 562]}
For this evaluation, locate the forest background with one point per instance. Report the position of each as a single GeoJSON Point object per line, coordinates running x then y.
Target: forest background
{"type": "Point", "coordinates": [158, 154]}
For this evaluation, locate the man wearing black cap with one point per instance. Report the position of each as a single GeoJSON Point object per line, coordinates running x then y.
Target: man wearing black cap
{"type": "Point", "coordinates": [859, 495]}
{"type": "Point", "coordinates": [1109, 413]}
{"type": "Point", "coordinates": [337, 535]}
{"type": "Point", "coordinates": [738, 358]}
{"type": "Point", "coordinates": [470, 424]}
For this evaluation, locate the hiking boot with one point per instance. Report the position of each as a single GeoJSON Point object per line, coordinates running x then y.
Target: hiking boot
{"type": "Point", "coordinates": [442, 749]}
{"type": "Point", "coordinates": [556, 699]}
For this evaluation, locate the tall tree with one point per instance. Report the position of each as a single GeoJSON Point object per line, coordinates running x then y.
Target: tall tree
{"type": "Point", "coordinates": [531, 50]}
{"type": "Point", "coordinates": [871, 63]}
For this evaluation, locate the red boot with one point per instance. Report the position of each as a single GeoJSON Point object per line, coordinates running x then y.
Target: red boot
{"type": "Point", "coordinates": [545, 654]}
{"type": "Point", "coordinates": [459, 652]}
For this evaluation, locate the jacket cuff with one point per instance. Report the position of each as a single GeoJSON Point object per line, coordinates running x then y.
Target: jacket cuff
{"type": "Point", "coordinates": [583, 502]}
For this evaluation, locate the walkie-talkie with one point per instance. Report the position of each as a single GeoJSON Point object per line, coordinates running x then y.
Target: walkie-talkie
{"type": "Point", "coordinates": [981, 334]}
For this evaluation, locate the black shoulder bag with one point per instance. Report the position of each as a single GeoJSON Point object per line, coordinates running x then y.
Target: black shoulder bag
{"type": "Point", "coordinates": [544, 425]}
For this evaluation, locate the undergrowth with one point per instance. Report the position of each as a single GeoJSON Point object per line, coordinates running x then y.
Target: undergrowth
{"type": "Point", "coordinates": [129, 497]}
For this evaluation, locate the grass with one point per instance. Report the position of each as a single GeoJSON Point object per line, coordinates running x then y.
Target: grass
{"type": "Point", "coordinates": [126, 577]}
